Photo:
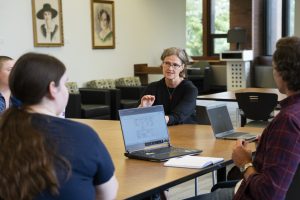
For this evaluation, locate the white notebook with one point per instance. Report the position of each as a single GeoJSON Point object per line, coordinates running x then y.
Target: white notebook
{"type": "Point", "coordinates": [192, 161]}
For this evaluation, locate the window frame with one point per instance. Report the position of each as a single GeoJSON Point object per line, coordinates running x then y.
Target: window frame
{"type": "Point", "coordinates": [284, 23]}
{"type": "Point", "coordinates": [286, 13]}
{"type": "Point", "coordinates": [208, 37]}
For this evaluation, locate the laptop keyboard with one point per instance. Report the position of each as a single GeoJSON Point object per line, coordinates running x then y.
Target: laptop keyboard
{"type": "Point", "coordinates": [237, 134]}
{"type": "Point", "coordinates": [170, 151]}
{"type": "Point", "coordinates": [162, 154]}
{"type": "Point", "coordinates": [241, 135]}
{"type": "Point", "coordinates": [164, 150]}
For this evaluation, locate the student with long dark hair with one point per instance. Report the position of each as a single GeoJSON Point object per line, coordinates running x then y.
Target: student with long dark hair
{"type": "Point", "coordinates": [43, 156]}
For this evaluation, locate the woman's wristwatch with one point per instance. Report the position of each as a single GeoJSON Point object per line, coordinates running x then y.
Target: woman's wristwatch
{"type": "Point", "coordinates": [245, 167]}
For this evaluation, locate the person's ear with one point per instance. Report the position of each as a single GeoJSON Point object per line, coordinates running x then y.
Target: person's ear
{"type": "Point", "coordinates": [182, 67]}
{"type": "Point", "coordinates": [181, 73]}
{"type": "Point", "coordinates": [53, 90]}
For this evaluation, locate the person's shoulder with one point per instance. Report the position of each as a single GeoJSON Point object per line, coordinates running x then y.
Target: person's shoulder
{"type": "Point", "coordinates": [156, 83]}
{"type": "Point", "coordinates": [71, 123]}
{"type": "Point", "coordinates": [290, 106]}
{"type": "Point", "coordinates": [77, 127]}
{"type": "Point", "coordinates": [188, 87]}
{"type": "Point", "coordinates": [67, 126]}
{"type": "Point", "coordinates": [288, 116]}
{"type": "Point", "coordinates": [188, 84]}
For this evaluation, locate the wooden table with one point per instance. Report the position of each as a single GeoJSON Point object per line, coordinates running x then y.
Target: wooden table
{"type": "Point", "coordinates": [230, 95]}
{"type": "Point", "coordinates": [138, 179]}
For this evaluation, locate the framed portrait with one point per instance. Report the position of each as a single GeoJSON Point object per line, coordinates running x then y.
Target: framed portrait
{"type": "Point", "coordinates": [103, 24]}
{"type": "Point", "coordinates": [47, 23]}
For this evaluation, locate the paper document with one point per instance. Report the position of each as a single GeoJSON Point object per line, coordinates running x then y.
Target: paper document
{"type": "Point", "coordinates": [192, 161]}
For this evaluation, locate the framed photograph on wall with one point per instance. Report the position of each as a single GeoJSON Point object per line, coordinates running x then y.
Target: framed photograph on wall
{"type": "Point", "coordinates": [47, 23]}
{"type": "Point", "coordinates": [103, 24]}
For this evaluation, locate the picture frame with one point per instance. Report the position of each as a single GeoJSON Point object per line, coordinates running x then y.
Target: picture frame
{"type": "Point", "coordinates": [47, 23]}
{"type": "Point", "coordinates": [103, 24]}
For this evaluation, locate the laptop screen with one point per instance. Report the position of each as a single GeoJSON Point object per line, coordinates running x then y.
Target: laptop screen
{"type": "Point", "coordinates": [219, 118]}
{"type": "Point", "coordinates": [143, 127]}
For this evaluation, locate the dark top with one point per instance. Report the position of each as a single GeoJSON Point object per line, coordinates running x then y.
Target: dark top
{"type": "Point", "coordinates": [179, 103]}
{"type": "Point", "coordinates": [277, 156]}
{"type": "Point", "coordinates": [44, 31]}
{"type": "Point", "coordinates": [90, 161]}
{"type": "Point", "coordinates": [12, 102]}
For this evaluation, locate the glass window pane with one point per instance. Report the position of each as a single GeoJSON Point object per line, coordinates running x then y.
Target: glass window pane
{"type": "Point", "coordinates": [291, 17]}
{"type": "Point", "coordinates": [220, 16]}
{"type": "Point", "coordinates": [194, 45]}
{"type": "Point", "coordinates": [273, 24]}
{"type": "Point", "coordinates": [220, 45]}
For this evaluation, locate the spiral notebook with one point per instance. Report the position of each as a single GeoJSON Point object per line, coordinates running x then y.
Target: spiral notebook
{"type": "Point", "coordinates": [196, 162]}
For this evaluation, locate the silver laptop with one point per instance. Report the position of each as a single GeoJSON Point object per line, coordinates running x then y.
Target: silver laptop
{"type": "Point", "coordinates": [146, 135]}
{"type": "Point", "coordinates": [221, 124]}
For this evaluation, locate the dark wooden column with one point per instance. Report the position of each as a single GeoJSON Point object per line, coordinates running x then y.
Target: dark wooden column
{"type": "Point", "coordinates": [249, 14]}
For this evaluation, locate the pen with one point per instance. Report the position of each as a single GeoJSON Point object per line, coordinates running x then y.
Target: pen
{"type": "Point", "coordinates": [251, 140]}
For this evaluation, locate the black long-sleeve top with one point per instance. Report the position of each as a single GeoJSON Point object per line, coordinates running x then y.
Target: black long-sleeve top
{"type": "Point", "coordinates": [179, 103]}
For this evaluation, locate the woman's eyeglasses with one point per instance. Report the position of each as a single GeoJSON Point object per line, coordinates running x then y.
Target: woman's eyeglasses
{"type": "Point", "coordinates": [174, 65]}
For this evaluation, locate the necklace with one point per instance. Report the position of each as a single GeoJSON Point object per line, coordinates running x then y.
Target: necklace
{"type": "Point", "coordinates": [170, 93]}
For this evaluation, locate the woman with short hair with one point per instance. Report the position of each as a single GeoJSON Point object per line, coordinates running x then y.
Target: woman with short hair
{"type": "Point", "coordinates": [176, 94]}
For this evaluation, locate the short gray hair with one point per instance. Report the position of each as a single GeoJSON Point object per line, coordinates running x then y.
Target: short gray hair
{"type": "Point", "coordinates": [180, 53]}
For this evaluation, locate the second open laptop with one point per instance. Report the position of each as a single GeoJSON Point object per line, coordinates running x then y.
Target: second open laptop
{"type": "Point", "coordinates": [221, 124]}
{"type": "Point", "coordinates": [146, 135]}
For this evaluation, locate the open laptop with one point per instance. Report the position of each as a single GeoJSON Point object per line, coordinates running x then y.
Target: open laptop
{"type": "Point", "coordinates": [146, 135]}
{"type": "Point", "coordinates": [221, 124]}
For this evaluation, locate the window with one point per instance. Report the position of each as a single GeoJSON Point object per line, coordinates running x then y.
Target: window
{"type": "Point", "coordinates": [207, 23]}
{"type": "Point", "coordinates": [288, 17]}
{"type": "Point", "coordinates": [206, 29]}
{"type": "Point", "coordinates": [219, 26]}
{"type": "Point", "coordinates": [194, 31]}
{"type": "Point", "coordinates": [280, 20]}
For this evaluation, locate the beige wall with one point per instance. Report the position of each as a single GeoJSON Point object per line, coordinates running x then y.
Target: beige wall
{"type": "Point", "coordinates": [143, 29]}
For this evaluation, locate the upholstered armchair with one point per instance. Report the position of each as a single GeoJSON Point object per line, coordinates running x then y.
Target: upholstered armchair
{"type": "Point", "coordinates": [200, 74]}
{"type": "Point", "coordinates": [115, 94]}
{"type": "Point", "coordinates": [131, 91]}
{"type": "Point", "coordinates": [124, 92]}
{"type": "Point", "coordinates": [95, 104]}
{"type": "Point", "coordinates": [73, 108]}
{"type": "Point", "coordinates": [88, 104]}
